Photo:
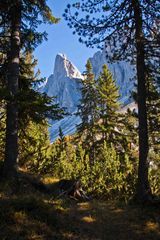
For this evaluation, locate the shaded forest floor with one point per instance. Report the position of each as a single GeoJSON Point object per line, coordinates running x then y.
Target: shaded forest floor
{"type": "Point", "coordinates": [27, 214]}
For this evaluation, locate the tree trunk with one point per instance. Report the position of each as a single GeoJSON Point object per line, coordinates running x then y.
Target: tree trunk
{"type": "Point", "coordinates": [143, 188]}
{"type": "Point", "coordinates": [11, 147]}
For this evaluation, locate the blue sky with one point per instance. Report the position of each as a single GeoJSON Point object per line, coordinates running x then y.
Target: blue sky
{"type": "Point", "coordinates": [60, 40]}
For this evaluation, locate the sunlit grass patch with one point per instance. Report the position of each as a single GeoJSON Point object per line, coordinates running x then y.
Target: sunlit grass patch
{"type": "Point", "coordinates": [152, 226]}
{"type": "Point", "coordinates": [20, 217]}
{"type": "Point", "coordinates": [84, 206]}
{"type": "Point", "coordinates": [50, 180]}
{"type": "Point", "coordinates": [88, 219]}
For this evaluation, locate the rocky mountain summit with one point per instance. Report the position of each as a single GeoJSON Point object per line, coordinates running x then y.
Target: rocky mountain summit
{"type": "Point", "coordinates": [65, 84]}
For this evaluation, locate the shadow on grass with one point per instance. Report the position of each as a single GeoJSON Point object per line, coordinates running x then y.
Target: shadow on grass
{"type": "Point", "coordinates": [27, 218]}
{"type": "Point", "coordinates": [31, 217]}
{"type": "Point", "coordinates": [28, 213]}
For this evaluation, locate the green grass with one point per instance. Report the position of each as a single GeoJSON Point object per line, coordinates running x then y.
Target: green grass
{"type": "Point", "coordinates": [29, 214]}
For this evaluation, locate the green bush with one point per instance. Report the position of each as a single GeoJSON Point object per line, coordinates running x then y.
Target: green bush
{"type": "Point", "coordinates": [154, 172]}
{"type": "Point", "coordinates": [109, 175]}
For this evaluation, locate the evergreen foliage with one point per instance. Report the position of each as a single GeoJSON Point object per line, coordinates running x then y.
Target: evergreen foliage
{"type": "Point", "coordinates": [19, 23]}
{"type": "Point", "coordinates": [109, 176]}
{"type": "Point", "coordinates": [33, 105]}
{"type": "Point", "coordinates": [33, 145]}
{"type": "Point", "coordinates": [108, 105]}
{"type": "Point", "coordinates": [153, 109]}
{"type": "Point", "coordinates": [62, 139]}
{"type": "Point", "coordinates": [130, 28]}
{"type": "Point", "coordinates": [87, 109]}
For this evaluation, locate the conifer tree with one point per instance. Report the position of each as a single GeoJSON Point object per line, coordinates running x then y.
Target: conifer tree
{"type": "Point", "coordinates": [130, 27]}
{"type": "Point", "coordinates": [33, 105]}
{"type": "Point", "coordinates": [33, 145]}
{"type": "Point", "coordinates": [62, 140]}
{"type": "Point", "coordinates": [87, 109]}
{"type": "Point", "coordinates": [34, 109]}
{"type": "Point", "coordinates": [153, 110]}
{"type": "Point", "coordinates": [130, 129]}
{"type": "Point", "coordinates": [19, 21]}
{"type": "Point", "coordinates": [108, 105]}
{"type": "Point", "coordinates": [61, 135]}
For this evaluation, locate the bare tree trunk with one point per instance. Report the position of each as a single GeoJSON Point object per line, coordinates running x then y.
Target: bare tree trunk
{"type": "Point", "coordinates": [143, 187]}
{"type": "Point", "coordinates": [11, 147]}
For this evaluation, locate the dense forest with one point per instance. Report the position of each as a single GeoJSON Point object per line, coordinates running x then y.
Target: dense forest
{"type": "Point", "coordinates": [112, 161]}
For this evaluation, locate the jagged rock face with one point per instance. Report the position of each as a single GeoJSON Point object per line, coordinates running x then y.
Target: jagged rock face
{"type": "Point", "coordinates": [122, 72]}
{"type": "Point", "coordinates": [65, 83]}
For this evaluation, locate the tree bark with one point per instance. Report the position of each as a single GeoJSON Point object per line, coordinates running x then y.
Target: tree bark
{"type": "Point", "coordinates": [143, 188]}
{"type": "Point", "coordinates": [11, 145]}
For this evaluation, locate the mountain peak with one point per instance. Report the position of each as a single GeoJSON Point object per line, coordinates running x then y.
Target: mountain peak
{"type": "Point", "coordinates": [61, 56]}
{"type": "Point", "coordinates": [65, 68]}
{"type": "Point", "coordinates": [64, 83]}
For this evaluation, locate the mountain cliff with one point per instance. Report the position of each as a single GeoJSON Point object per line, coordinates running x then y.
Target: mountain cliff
{"type": "Point", "coordinates": [65, 84]}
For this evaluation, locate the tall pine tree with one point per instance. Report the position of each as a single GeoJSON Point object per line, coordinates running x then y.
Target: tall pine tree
{"type": "Point", "coordinates": [87, 109]}
{"type": "Point", "coordinates": [108, 105]}
{"type": "Point", "coordinates": [19, 21]}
